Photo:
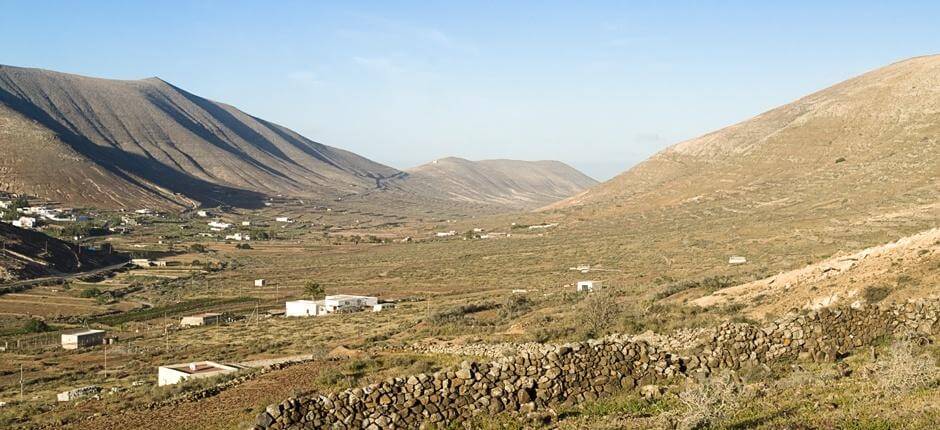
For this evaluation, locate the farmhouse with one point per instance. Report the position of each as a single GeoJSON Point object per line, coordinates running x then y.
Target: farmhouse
{"type": "Point", "coordinates": [305, 308]}
{"type": "Point", "coordinates": [140, 262]}
{"type": "Point", "coordinates": [238, 237]}
{"type": "Point", "coordinates": [585, 286]}
{"type": "Point", "coordinates": [260, 282]}
{"type": "Point", "coordinates": [200, 319]}
{"type": "Point", "coordinates": [176, 373]}
{"type": "Point", "coordinates": [348, 303]}
{"type": "Point", "coordinates": [81, 338]}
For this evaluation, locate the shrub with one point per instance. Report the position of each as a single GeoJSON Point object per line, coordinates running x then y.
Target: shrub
{"type": "Point", "coordinates": [197, 247]}
{"type": "Point", "coordinates": [599, 309]}
{"type": "Point", "coordinates": [36, 326]}
{"type": "Point", "coordinates": [90, 293]}
{"type": "Point", "coordinates": [515, 305]}
{"type": "Point", "coordinates": [314, 290]}
{"type": "Point", "coordinates": [903, 370]}
{"type": "Point", "coordinates": [706, 403]}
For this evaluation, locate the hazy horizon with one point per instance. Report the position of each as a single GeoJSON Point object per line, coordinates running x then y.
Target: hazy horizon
{"type": "Point", "coordinates": [600, 88]}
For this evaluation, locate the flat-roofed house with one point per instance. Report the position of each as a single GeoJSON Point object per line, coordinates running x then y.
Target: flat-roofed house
{"type": "Point", "coordinates": [260, 282]}
{"type": "Point", "coordinates": [200, 319]}
{"type": "Point", "coordinates": [176, 373]}
{"type": "Point", "coordinates": [82, 338]}
{"type": "Point", "coordinates": [348, 302]}
{"type": "Point", "coordinates": [305, 308]}
{"type": "Point", "coordinates": [585, 286]}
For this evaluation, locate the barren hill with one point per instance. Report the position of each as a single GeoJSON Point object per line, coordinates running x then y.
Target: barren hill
{"type": "Point", "coordinates": [111, 143]}
{"type": "Point", "coordinates": [866, 143]}
{"type": "Point", "coordinates": [510, 183]}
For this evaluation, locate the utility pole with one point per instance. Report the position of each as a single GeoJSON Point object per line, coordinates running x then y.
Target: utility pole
{"type": "Point", "coordinates": [166, 332]}
{"type": "Point", "coordinates": [21, 382]}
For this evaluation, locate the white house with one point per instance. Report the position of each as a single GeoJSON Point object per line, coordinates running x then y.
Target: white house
{"type": "Point", "coordinates": [446, 233]}
{"type": "Point", "coordinates": [219, 225]}
{"type": "Point", "coordinates": [25, 222]}
{"type": "Point", "coordinates": [176, 373]}
{"type": "Point", "coordinates": [81, 338]}
{"type": "Point", "coordinates": [305, 308]}
{"type": "Point", "coordinates": [141, 262]}
{"type": "Point", "coordinates": [246, 223]}
{"type": "Point", "coordinates": [143, 211]}
{"type": "Point", "coordinates": [260, 282]}
{"type": "Point", "coordinates": [585, 286]}
{"type": "Point", "coordinates": [348, 302]}
{"type": "Point", "coordinates": [5, 204]}
{"type": "Point", "coordinates": [283, 219]}
{"type": "Point", "coordinates": [200, 319]}
{"type": "Point", "coordinates": [737, 260]}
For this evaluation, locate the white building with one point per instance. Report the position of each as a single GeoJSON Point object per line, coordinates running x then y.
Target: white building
{"type": "Point", "coordinates": [202, 214]}
{"type": "Point", "coordinates": [143, 211]}
{"type": "Point", "coordinates": [305, 308]}
{"type": "Point", "coordinates": [238, 237]}
{"type": "Point", "coordinates": [348, 302]}
{"type": "Point", "coordinates": [283, 219]}
{"type": "Point", "coordinates": [382, 307]}
{"type": "Point", "coordinates": [24, 222]}
{"type": "Point", "coordinates": [81, 338]}
{"type": "Point", "coordinates": [219, 225]}
{"type": "Point", "coordinates": [585, 286]}
{"type": "Point", "coordinates": [141, 262]}
{"type": "Point", "coordinates": [246, 223]}
{"type": "Point", "coordinates": [737, 260]}
{"type": "Point", "coordinates": [68, 396]}
{"type": "Point", "coordinates": [176, 373]}
{"type": "Point", "coordinates": [200, 319]}
{"type": "Point", "coordinates": [260, 282]}
{"type": "Point", "coordinates": [5, 204]}
{"type": "Point", "coordinates": [446, 233]}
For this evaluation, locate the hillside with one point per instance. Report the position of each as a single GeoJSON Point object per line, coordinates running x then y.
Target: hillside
{"type": "Point", "coordinates": [870, 143]}
{"type": "Point", "coordinates": [510, 183]}
{"type": "Point", "coordinates": [29, 254]}
{"type": "Point", "coordinates": [110, 143]}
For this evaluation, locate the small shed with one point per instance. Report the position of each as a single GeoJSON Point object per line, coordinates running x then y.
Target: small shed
{"type": "Point", "coordinates": [81, 338]}
{"type": "Point", "coordinates": [176, 373]}
{"type": "Point", "coordinates": [200, 319]}
{"type": "Point", "coordinates": [305, 308]}
{"type": "Point", "coordinates": [585, 286]}
{"type": "Point", "coordinates": [260, 282]}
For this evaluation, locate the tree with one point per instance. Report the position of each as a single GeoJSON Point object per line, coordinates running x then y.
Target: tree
{"type": "Point", "coordinates": [314, 290]}
{"type": "Point", "coordinates": [599, 310]}
{"type": "Point", "coordinates": [36, 326]}
{"type": "Point", "coordinates": [197, 247]}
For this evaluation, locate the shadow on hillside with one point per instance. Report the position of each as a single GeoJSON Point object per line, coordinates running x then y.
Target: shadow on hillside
{"type": "Point", "coordinates": [119, 162]}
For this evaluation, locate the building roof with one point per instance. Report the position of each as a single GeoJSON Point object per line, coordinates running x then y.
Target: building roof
{"type": "Point", "coordinates": [204, 315]}
{"type": "Point", "coordinates": [198, 367]}
{"type": "Point", "coordinates": [82, 331]}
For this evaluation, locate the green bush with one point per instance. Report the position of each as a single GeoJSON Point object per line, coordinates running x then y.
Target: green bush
{"type": "Point", "coordinates": [90, 293]}
{"type": "Point", "coordinates": [36, 326]}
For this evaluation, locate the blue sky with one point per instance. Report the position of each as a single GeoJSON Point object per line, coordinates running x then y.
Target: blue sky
{"type": "Point", "coordinates": [600, 85]}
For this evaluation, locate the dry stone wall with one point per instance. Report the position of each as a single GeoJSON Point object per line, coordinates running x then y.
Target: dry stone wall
{"type": "Point", "coordinates": [560, 375]}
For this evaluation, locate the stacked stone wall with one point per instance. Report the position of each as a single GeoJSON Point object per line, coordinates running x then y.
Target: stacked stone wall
{"type": "Point", "coordinates": [560, 375]}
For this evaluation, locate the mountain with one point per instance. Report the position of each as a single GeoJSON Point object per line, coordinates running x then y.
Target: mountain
{"type": "Point", "coordinates": [111, 143]}
{"type": "Point", "coordinates": [868, 144]}
{"type": "Point", "coordinates": [29, 254]}
{"type": "Point", "coordinates": [513, 184]}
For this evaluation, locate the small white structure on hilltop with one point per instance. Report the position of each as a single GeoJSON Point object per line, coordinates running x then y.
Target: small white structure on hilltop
{"type": "Point", "coordinates": [735, 259]}
{"type": "Point", "coordinates": [446, 233]}
{"type": "Point", "coordinates": [260, 282]}
{"type": "Point", "coordinates": [68, 396]}
{"type": "Point", "coordinates": [202, 214]}
{"type": "Point", "coordinates": [246, 223]}
{"type": "Point", "coordinates": [585, 286]}
{"type": "Point", "coordinates": [305, 308]}
{"type": "Point", "coordinates": [207, 318]}
{"type": "Point", "coordinates": [348, 302]}
{"type": "Point", "coordinates": [176, 373]}
{"type": "Point", "coordinates": [283, 219]}
{"type": "Point", "coordinates": [82, 338]}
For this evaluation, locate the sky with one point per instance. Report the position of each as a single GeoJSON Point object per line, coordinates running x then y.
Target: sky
{"type": "Point", "coordinates": [598, 85]}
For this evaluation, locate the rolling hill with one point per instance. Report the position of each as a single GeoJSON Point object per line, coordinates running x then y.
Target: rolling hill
{"type": "Point", "coordinates": [512, 184]}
